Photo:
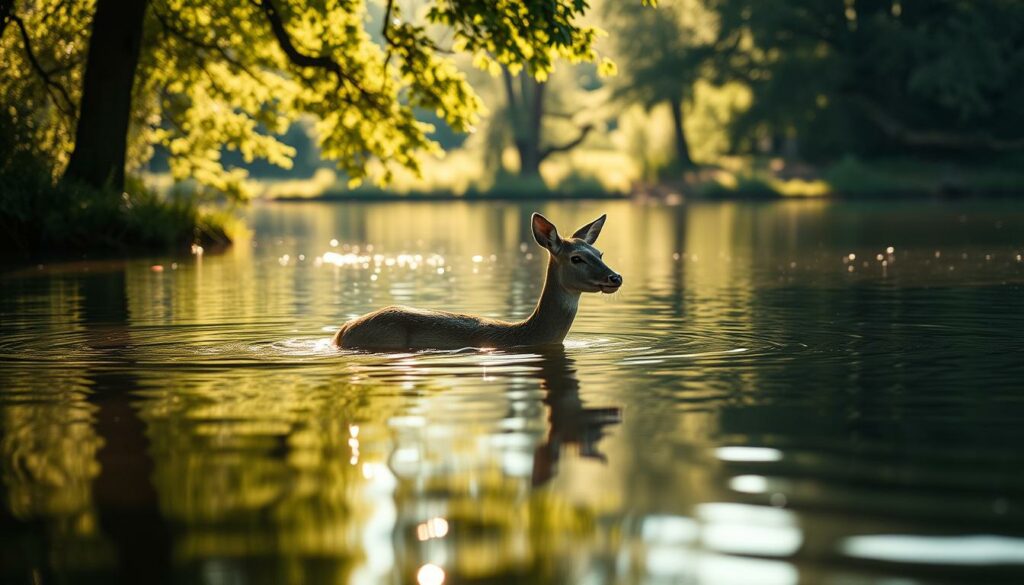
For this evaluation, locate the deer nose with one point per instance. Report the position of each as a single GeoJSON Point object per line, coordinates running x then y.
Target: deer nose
{"type": "Point", "coordinates": [615, 279]}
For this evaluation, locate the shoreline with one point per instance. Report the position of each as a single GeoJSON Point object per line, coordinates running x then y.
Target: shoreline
{"type": "Point", "coordinates": [670, 196]}
{"type": "Point", "coordinates": [440, 197]}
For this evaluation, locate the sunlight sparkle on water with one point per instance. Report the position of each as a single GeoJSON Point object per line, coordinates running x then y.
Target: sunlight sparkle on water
{"type": "Point", "coordinates": [364, 261]}
{"type": "Point", "coordinates": [432, 528]}
{"type": "Point", "coordinates": [430, 574]}
{"type": "Point", "coordinates": [749, 484]}
{"type": "Point", "coordinates": [670, 546]}
{"type": "Point", "coordinates": [980, 549]}
{"type": "Point", "coordinates": [748, 454]}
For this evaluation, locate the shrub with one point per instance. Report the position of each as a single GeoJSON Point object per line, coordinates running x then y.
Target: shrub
{"type": "Point", "coordinates": [39, 216]}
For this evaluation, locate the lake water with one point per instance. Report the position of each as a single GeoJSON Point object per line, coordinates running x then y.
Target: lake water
{"type": "Point", "coordinates": [800, 392]}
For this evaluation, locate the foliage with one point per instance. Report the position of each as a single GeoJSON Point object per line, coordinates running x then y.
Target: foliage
{"type": "Point", "coordinates": [744, 186]}
{"type": "Point", "coordinates": [876, 77]}
{"type": "Point", "coordinates": [43, 49]}
{"type": "Point", "coordinates": [37, 214]}
{"type": "Point", "coordinates": [234, 74]}
{"type": "Point", "coordinates": [665, 54]}
{"type": "Point", "coordinates": [662, 52]}
{"type": "Point", "coordinates": [853, 177]}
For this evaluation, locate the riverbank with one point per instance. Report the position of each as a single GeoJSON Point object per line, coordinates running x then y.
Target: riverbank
{"type": "Point", "coordinates": [743, 178]}
{"type": "Point", "coordinates": [852, 178]}
{"type": "Point", "coordinates": [40, 219]}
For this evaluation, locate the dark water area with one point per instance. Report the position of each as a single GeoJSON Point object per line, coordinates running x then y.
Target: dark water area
{"type": "Point", "coordinates": [781, 393]}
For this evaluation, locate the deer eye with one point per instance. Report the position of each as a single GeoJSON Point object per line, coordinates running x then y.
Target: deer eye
{"type": "Point", "coordinates": [576, 259]}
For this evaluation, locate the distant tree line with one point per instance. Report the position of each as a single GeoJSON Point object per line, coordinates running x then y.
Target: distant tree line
{"type": "Point", "coordinates": [876, 76]}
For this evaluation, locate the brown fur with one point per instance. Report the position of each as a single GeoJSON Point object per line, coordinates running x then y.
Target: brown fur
{"type": "Point", "coordinates": [399, 327]}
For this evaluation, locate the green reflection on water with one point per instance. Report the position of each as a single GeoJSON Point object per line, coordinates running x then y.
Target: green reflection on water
{"type": "Point", "coordinates": [750, 402]}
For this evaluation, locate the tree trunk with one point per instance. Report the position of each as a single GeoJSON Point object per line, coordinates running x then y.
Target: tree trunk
{"type": "Point", "coordinates": [682, 146]}
{"type": "Point", "coordinates": [102, 134]}
{"type": "Point", "coordinates": [526, 112]}
{"type": "Point", "coordinates": [530, 157]}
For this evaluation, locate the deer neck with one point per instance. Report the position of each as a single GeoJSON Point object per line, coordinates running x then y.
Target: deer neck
{"type": "Point", "coordinates": [554, 313]}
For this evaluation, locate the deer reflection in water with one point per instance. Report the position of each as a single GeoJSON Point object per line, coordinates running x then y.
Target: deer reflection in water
{"type": "Point", "coordinates": [571, 423]}
{"type": "Point", "coordinates": [492, 506]}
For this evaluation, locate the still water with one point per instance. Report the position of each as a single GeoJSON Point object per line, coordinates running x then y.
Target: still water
{"type": "Point", "coordinates": [800, 392]}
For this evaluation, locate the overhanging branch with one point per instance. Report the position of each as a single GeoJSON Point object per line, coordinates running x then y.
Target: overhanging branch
{"type": "Point", "coordinates": [68, 107]}
{"type": "Point", "coordinates": [294, 55]}
{"type": "Point", "coordinates": [182, 35]}
{"type": "Point", "coordinates": [584, 131]}
{"type": "Point", "coordinates": [388, 43]}
{"type": "Point", "coordinates": [387, 24]}
{"type": "Point", "coordinates": [301, 59]}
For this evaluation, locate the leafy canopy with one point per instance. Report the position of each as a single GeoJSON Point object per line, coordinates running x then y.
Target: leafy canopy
{"type": "Point", "coordinates": [664, 51]}
{"type": "Point", "coordinates": [868, 76]}
{"type": "Point", "coordinates": [234, 74]}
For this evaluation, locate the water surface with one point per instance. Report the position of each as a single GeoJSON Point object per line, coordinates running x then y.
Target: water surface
{"type": "Point", "coordinates": [800, 392]}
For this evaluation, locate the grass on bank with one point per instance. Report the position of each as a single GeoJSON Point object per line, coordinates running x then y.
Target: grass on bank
{"type": "Point", "coordinates": [591, 173]}
{"type": "Point", "coordinates": [40, 217]}
{"type": "Point", "coordinates": [509, 187]}
{"type": "Point", "coordinates": [851, 177]}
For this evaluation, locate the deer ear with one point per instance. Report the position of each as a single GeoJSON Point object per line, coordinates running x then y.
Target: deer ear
{"type": "Point", "coordinates": [589, 232]}
{"type": "Point", "coordinates": [545, 233]}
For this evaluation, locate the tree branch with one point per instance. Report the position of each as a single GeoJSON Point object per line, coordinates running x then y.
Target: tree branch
{"type": "Point", "coordinates": [69, 106]}
{"type": "Point", "coordinates": [315, 62]}
{"type": "Point", "coordinates": [561, 115]}
{"type": "Point", "coordinates": [894, 128]}
{"type": "Point", "coordinates": [388, 43]}
{"type": "Point", "coordinates": [584, 131]}
{"type": "Point", "coordinates": [286, 44]}
{"type": "Point", "coordinates": [199, 44]}
{"type": "Point", "coordinates": [387, 22]}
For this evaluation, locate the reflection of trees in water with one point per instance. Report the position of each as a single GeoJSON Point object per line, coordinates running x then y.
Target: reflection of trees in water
{"type": "Point", "coordinates": [47, 442]}
{"type": "Point", "coordinates": [48, 447]}
{"type": "Point", "coordinates": [262, 472]}
{"type": "Point", "coordinates": [48, 461]}
{"type": "Point", "coordinates": [75, 457]}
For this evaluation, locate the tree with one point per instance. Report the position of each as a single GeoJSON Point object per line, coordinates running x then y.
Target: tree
{"type": "Point", "coordinates": [525, 111]}
{"type": "Point", "coordinates": [663, 54]}
{"type": "Point", "coordinates": [101, 136]}
{"type": "Point", "coordinates": [878, 75]}
{"type": "Point", "coordinates": [198, 76]}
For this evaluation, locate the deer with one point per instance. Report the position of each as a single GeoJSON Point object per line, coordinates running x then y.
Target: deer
{"type": "Point", "coordinates": [574, 267]}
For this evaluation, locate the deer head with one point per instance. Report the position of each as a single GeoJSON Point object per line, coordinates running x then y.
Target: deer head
{"type": "Point", "coordinates": [576, 263]}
